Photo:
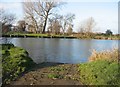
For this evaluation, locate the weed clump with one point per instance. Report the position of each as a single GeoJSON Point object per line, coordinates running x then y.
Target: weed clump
{"type": "Point", "coordinates": [109, 55]}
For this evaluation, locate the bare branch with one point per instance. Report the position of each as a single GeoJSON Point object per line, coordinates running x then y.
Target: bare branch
{"type": "Point", "coordinates": [40, 10]}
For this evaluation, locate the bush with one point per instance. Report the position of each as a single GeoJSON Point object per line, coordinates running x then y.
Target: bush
{"type": "Point", "coordinates": [99, 73]}
{"type": "Point", "coordinates": [15, 61]}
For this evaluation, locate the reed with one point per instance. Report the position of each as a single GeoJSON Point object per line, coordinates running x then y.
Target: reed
{"type": "Point", "coordinates": [110, 55]}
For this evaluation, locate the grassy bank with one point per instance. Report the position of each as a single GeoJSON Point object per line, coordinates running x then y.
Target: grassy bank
{"type": "Point", "coordinates": [102, 69]}
{"type": "Point", "coordinates": [37, 35]}
{"type": "Point", "coordinates": [15, 61]}
{"type": "Point", "coordinates": [99, 73]}
{"type": "Point", "coordinates": [79, 36]}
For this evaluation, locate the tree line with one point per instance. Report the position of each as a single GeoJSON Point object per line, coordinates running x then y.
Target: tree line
{"type": "Point", "coordinates": [43, 17]}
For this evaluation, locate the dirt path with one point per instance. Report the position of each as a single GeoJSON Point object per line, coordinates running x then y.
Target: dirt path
{"type": "Point", "coordinates": [50, 74]}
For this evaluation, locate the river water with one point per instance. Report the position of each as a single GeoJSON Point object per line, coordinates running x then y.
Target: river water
{"type": "Point", "coordinates": [61, 50]}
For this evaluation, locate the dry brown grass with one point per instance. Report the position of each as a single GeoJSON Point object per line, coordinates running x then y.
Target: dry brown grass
{"type": "Point", "coordinates": [110, 55]}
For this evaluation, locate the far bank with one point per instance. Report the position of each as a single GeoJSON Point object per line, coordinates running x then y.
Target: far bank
{"type": "Point", "coordinates": [75, 36]}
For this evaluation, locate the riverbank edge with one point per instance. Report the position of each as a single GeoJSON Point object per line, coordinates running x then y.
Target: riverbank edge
{"type": "Point", "coordinates": [101, 67]}
{"type": "Point", "coordinates": [15, 61]}
{"type": "Point", "coordinates": [62, 37]}
{"type": "Point", "coordinates": [48, 64]}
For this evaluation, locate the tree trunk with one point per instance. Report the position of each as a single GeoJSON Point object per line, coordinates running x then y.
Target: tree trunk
{"type": "Point", "coordinates": [44, 27]}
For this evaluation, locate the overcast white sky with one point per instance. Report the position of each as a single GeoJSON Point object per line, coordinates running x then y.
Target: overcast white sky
{"type": "Point", "coordinates": [105, 12]}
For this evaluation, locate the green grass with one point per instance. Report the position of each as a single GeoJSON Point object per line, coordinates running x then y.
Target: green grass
{"type": "Point", "coordinates": [19, 34]}
{"type": "Point", "coordinates": [102, 69]}
{"type": "Point", "coordinates": [80, 36]}
{"type": "Point", "coordinates": [99, 73]}
{"type": "Point", "coordinates": [37, 35]}
{"type": "Point", "coordinates": [44, 35]}
{"type": "Point", "coordinates": [15, 61]}
{"type": "Point", "coordinates": [57, 68]}
{"type": "Point", "coordinates": [53, 76]}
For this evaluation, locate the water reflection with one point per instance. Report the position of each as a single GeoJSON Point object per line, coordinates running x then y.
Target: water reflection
{"type": "Point", "coordinates": [62, 50]}
{"type": "Point", "coordinates": [5, 40]}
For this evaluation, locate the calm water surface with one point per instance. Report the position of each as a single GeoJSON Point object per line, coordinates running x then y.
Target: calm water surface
{"type": "Point", "coordinates": [62, 50]}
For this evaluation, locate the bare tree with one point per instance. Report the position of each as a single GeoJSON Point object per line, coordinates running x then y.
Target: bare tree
{"type": "Point", "coordinates": [70, 30]}
{"type": "Point", "coordinates": [55, 24]}
{"type": "Point", "coordinates": [6, 20]}
{"type": "Point", "coordinates": [21, 25]}
{"type": "Point", "coordinates": [87, 26]}
{"type": "Point", "coordinates": [41, 9]}
{"type": "Point", "coordinates": [90, 24]}
{"type": "Point", "coordinates": [56, 27]}
{"type": "Point", "coordinates": [30, 15]}
{"type": "Point", "coordinates": [81, 29]}
{"type": "Point", "coordinates": [66, 21]}
{"type": "Point", "coordinates": [50, 27]}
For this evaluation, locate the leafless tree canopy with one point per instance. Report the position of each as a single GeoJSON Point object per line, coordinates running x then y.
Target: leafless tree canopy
{"type": "Point", "coordinates": [54, 26]}
{"type": "Point", "coordinates": [67, 20]}
{"type": "Point", "coordinates": [38, 12]}
{"type": "Point", "coordinates": [21, 25]}
{"type": "Point", "coordinates": [87, 26]}
{"type": "Point", "coordinates": [90, 24]}
{"type": "Point", "coordinates": [6, 18]}
{"type": "Point", "coordinates": [69, 30]}
{"type": "Point", "coordinates": [30, 15]}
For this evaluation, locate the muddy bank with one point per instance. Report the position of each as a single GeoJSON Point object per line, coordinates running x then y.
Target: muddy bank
{"type": "Point", "coordinates": [50, 74]}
